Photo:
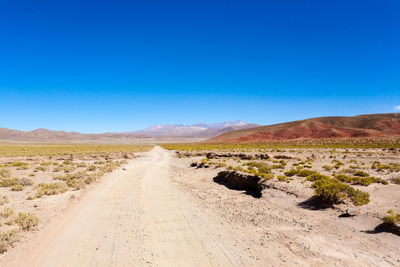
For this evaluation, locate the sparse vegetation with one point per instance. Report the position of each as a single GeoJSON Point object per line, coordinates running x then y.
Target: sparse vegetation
{"type": "Point", "coordinates": [27, 221]}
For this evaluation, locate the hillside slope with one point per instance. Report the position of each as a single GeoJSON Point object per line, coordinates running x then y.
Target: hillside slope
{"type": "Point", "coordinates": [372, 125]}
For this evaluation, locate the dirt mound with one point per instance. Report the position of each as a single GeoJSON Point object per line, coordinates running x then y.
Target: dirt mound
{"type": "Point", "coordinates": [253, 185]}
{"type": "Point", "coordinates": [374, 125]}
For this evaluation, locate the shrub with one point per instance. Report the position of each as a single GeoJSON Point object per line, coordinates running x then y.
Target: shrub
{"type": "Point", "coordinates": [291, 173]}
{"type": "Point", "coordinates": [6, 182]}
{"type": "Point", "coordinates": [360, 174]}
{"type": "Point", "coordinates": [51, 189]}
{"type": "Point", "coordinates": [333, 191]}
{"type": "Point", "coordinates": [316, 176]}
{"type": "Point", "coordinates": [282, 178]}
{"type": "Point", "coordinates": [76, 184]}
{"type": "Point", "coordinates": [4, 173]}
{"type": "Point", "coordinates": [27, 221]}
{"type": "Point", "coordinates": [17, 187]}
{"type": "Point", "coordinates": [39, 168]}
{"type": "Point", "coordinates": [19, 164]}
{"type": "Point", "coordinates": [396, 180]}
{"type": "Point", "coordinates": [92, 168]}
{"type": "Point", "coordinates": [7, 239]}
{"type": "Point", "coordinates": [81, 165]}
{"type": "Point", "coordinates": [6, 212]}
{"type": "Point", "coordinates": [46, 163]}
{"type": "Point", "coordinates": [391, 219]}
{"type": "Point", "coordinates": [57, 169]}
{"type": "Point", "coordinates": [305, 173]}
{"type": "Point", "coordinates": [25, 181]}
{"type": "Point", "coordinates": [3, 200]}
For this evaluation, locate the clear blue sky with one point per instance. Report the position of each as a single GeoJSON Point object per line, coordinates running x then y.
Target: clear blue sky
{"type": "Point", "coordinates": [97, 66]}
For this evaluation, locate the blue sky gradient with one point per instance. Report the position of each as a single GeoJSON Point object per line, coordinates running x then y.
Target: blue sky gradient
{"type": "Point", "coordinates": [98, 66]}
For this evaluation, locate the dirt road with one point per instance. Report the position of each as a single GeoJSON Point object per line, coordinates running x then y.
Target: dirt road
{"type": "Point", "coordinates": [134, 217]}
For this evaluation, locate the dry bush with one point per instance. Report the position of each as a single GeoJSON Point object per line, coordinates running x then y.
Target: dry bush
{"type": "Point", "coordinates": [27, 221]}
{"type": "Point", "coordinates": [4, 173]}
{"type": "Point", "coordinates": [6, 212]}
{"type": "Point", "coordinates": [8, 238]}
{"type": "Point", "coordinates": [51, 189]}
{"type": "Point", "coordinates": [7, 182]}
{"type": "Point", "coordinates": [39, 168]}
{"type": "Point", "coordinates": [91, 168]}
{"type": "Point", "coordinates": [17, 187]}
{"type": "Point", "coordinates": [4, 200]}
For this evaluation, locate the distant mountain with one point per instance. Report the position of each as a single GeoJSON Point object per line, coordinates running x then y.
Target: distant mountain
{"type": "Point", "coordinates": [372, 125]}
{"type": "Point", "coordinates": [203, 129]}
{"type": "Point", "coordinates": [200, 130]}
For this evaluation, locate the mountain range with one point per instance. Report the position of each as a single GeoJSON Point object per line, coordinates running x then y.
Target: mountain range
{"type": "Point", "coordinates": [371, 125]}
{"type": "Point", "coordinates": [200, 130]}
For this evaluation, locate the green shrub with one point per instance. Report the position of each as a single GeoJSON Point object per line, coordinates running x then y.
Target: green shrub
{"type": "Point", "coordinates": [305, 173]}
{"type": "Point", "coordinates": [333, 191]}
{"type": "Point", "coordinates": [39, 168]}
{"type": "Point", "coordinates": [291, 172]}
{"type": "Point", "coordinates": [391, 219]}
{"type": "Point", "coordinates": [282, 178]}
{"type": "Point", "coordinates": [19, 164]}
{"type": "Point", "coordinates": [360, 174]}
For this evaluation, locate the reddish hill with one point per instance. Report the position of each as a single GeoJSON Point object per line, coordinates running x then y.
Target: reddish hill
{"type": "Point", "coordinates": [373, 125]}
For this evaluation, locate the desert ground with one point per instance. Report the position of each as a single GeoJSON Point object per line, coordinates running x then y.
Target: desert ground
{"type": "Point", "coordinates": [166, 208]}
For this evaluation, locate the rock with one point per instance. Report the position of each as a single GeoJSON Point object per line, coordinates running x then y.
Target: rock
{"type": "Point", "coordinates": [352, 212]}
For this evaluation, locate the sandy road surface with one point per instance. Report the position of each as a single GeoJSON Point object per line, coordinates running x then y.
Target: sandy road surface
{"type": "Point", "coordinates": [134, 217]}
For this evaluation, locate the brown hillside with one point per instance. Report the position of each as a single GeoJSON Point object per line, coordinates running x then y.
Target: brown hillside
{"type": "Point", "coordinates": [373, 125]}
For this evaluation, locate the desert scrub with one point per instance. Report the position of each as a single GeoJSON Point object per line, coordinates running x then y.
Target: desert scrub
{"type": "Point", "coordinates": [46, 163]}
{"type": "Point", "coordinates": [4, 200]}
{"type": "Point", "coordinates": [57, 169]}
{"type": "Point", "coordinates": [17, 187]}
{"type": "Point", "coordinates": [27, 221]}
{"type": "Point", "coordinates": [332, 191]}
{"type": "Point", "coordinates": [282, 178]}
{"type": "Point", "coordinates": [39, 168]}
{"type": "Point", "coordinates": [92, 168]}
{"type": "Point", "coordinates": [13, 181]}
{"type": "Point", "coordinates": [327, 167]}
{"type": "Point", "coordinates": [109, 167]}
{"type": "Point", "coordinates": [51, 189]}
{"type": "Point", "coordinates": [19, 164]}
{"type": "Point", "coordinates": [81, 165]}
{"type": "Point", "coordinates": [8, 238]}
{"type": "Point", "coordinates": [391, 219]}
{"type": "Point", "coordinates": [7, 182]}
{"type": "Point", "coordinates": [365, 181]}
{"type": "Point", "coordinates": [6, 212]}
{"type": "Point", "coordinates": [4, 173]}
{"type": "Point", "coordinates": [68, 169]}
